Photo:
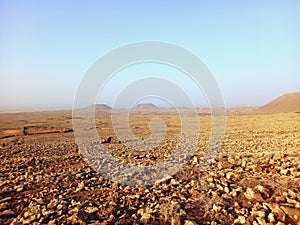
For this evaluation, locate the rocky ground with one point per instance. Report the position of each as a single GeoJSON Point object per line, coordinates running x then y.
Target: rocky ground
{"type": "Point", "coordinates": [255, 178]}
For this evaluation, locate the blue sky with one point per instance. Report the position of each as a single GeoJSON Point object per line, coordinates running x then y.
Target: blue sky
{"type": "Point", "coordinates": [251, 47]}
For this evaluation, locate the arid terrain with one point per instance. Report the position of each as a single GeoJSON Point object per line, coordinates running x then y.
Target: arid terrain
{"type": "Point", "coordinates": [254, 179]}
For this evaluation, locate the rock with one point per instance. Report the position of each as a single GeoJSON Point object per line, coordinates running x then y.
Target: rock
{"type": "Point", "coordinates": [216, 208]}
{"type": "Point", "coordinates": [271, 218]}
{"type": "Point", "coordinates": [280, 199]}
{"type": "Point", "coordinates": [91, 210]}
{"type": "Point", "coordinates": [292, 194]}
{"type": "Point", "coordinates": [26, 214]}
{"type": "Point", "coordinates": [51, 222]}
{"type": "Point", "coordinates": [145, 218]}
{"type": "Point", "coordinates": [240, 220]}
{"type": "Point", "coordinates": [4, 205]}
{"type": "Point", "coordinates": [226, 189]}
{"type": "Point", "coordinates": [176, 220]}
{"type": "Point", "coordinates": [140, 212]}
{"type": "Point", "coordinates": [195, 160]}
{"type": "Point", "coordinates": [292, 213]}
{"type": "Point", "coordinates": [244, 163]}
{"type": "Point", "coordinates": [225, 165]}
{"type": "Point", "coordinates": [174, 182]}
{"type": "Point", "coordinates": [260, 214]}
{"type": "Point", "coordinates": [80, 186]}
{"type": "Point", "coordinates": [251, 195]}
{"type": "Point", "coordinates": [7, 214]}
{"type": "Point", "coordinates": [264, 191]}
{"type": "Point", "coordinates": [277, 211]}
{"type": "Point", "coordinates": [29, 220]}
{"type": "Point", "coordinates": [285, 172]}
{"type": "Point", "coordinates": [74, 220]}
{"type": "Point", "coordinates": [189, 222]}
{"type": "Point", "coordinates": [7, 199]}
{"type": "Point", "coordinates": [261, 221]}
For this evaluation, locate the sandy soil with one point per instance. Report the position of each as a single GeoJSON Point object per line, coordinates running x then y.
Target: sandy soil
{"type": "Point", "coordinates": [255, 178]}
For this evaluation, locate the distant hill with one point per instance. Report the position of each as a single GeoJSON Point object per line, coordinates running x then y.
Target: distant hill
{"type": "Point", "coordinates": [146, 106]}
{"type": "Point", "coordinates": [99, 107]}
{"type": "Point", "coordinates": [286, 103]}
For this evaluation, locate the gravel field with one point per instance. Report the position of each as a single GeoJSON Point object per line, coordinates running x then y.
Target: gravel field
{"type": "Point", "coordinates": [254, 179]}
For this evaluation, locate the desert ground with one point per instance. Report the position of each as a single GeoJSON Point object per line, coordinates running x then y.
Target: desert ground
{"type": "Point", "coordinates": [254, 179]}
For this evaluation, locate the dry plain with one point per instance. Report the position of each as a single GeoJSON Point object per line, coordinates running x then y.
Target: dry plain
{"type": "Point", "coordinates": [254, 179]}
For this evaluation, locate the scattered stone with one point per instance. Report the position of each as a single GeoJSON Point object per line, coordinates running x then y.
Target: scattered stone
{"type": "Point", "coordinates": [145, 218]}
{"type": "Point", "coordinates": [7, 214]}
{"type": "Point", "coordinates": [251, 195]}
{"type": "Point", "coordinates": [4, 205]}
{"type": "Point", "coordinates": [80, 186]}
{"type": "Point", "coordinates": [277, 211]}
{"type": "Point", "coordinates": [271, 218]}
{"type": "Point", "coordinates": [292, 213]}
{"type": "Point", "coordinates": [189, 222]}
{"type": "Point", "coordinates": [264, 191]}
{"type": "Point", "coordinates": [91, 210]}
{"type": "Point", "coordinates": [240, 220]}
{"type": "Point", "coordinates": [176, 220]}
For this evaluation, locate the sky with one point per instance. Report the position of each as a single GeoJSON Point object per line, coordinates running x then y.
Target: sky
{"type": "Point", "coordinates": [252, 48]}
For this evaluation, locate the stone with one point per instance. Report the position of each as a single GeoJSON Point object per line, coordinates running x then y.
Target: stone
{"type": "Point", "coordinates": [240, 220]}
{"type": "Point", "coordinates": [261, 221]}
{"type": "Point", "coordinates": [51, 222]}
{"type": "Point", "coordinates": [4, 205]}
{"type": "Point", "coordinates": [80, 186]}
{"type": "Point", "coordinates": [19, 189]}
{"type": "Point", "coordinates": [251, 195]}
{"type": "Point", "coordinates": [189, 222]}
{"type": "Point", "coordinates": [271, 218]}
{"type": "Point", "coordinates": [74, 220]}
{"type": "Point", "coordinates": [264, 191]}
{"type": "Point", "coordinates": [292, 213]}
{"type": "Point", "coordinates": [145, 218]}
{"type": "Point", "coordinates": [277, 211]}
{"type": "Point", "coordinates": [216, 208]}
{"type": "Point", "coordinates": [91, 210]}
{"type": "Point", "coordinates": [176, 220]}
{"type": "Point", "coordinates": [140, 212]}
{"type": "Point", "coordinates": [292, 194]}
{"type": "Point", "coordinates": [7, 214]}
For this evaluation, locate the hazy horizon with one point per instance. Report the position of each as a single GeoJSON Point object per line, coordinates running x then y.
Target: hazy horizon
{"type": "Point", "coordinates": [251, 48]}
